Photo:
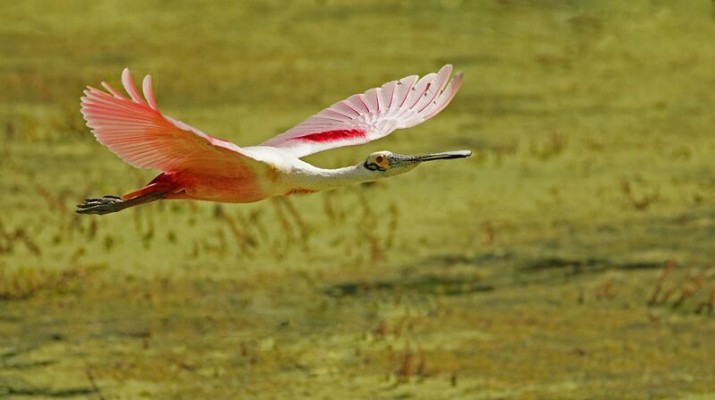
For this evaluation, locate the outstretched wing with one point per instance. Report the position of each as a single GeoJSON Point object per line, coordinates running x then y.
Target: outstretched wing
{"type": "Point", "coordinates": [372, 115]}
{"type": "Point", "coordinates": [136, 131]}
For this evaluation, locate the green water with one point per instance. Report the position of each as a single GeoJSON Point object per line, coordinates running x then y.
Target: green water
{"type": "Point", "coordinates": [536, 269]}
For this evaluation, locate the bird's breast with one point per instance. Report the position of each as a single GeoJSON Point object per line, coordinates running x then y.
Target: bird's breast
{"type": "Point", "coordinates": [222, 188]}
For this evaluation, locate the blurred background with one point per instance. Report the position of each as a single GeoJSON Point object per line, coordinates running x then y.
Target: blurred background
{"type": "Point", "coordinates": [571, 257]}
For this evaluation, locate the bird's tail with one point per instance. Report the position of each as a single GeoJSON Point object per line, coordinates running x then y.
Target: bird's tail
{"type": "Point", "coordinates": [159, 188]}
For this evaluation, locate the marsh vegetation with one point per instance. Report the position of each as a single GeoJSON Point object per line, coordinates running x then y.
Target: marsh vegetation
{"type": "Point", "coordinates": [572, 257]}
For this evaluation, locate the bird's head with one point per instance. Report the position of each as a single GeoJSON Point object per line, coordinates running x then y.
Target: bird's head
{"type": "Point", "coordinates": [389, 164]}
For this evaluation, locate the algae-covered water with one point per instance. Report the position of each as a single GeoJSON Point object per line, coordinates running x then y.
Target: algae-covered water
{"type": "Point", "coordinates": [571, 257]}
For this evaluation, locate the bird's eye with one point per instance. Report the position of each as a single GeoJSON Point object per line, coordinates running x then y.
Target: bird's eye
{"type": "Point", "coordinates": [377, 162]}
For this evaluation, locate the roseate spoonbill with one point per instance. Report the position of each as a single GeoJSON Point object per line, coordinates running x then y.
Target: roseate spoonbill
{"type": "Point", "coordinates": [197, 166]}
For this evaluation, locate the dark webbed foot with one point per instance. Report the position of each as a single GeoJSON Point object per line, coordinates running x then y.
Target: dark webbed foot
{"type": "Point", "coordinates": [105, 205]}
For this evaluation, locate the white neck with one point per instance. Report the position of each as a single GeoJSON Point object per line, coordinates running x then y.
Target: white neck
{"type": "Point", "coordinates": [314, 178]}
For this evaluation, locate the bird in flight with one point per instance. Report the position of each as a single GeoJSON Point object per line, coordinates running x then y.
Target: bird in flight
{"type": "Point", "coordinates": [197, 166]}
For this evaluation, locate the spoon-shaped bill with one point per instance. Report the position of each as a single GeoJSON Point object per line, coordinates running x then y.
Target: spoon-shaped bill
{"type": "Point", "coordinates": [399, 159]}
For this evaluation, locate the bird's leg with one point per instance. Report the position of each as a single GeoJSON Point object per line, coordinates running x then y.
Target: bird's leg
{"type": "Point", "coordinates": [110, 204]}
{"type": "Point", "coordinates": [105, 205]}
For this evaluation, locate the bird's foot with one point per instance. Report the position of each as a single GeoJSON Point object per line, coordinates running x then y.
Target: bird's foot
{"type": "Point", "coordinates": [105, 205]}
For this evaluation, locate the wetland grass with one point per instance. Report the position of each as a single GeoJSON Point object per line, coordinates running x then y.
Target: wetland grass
{"type": "Point", "coordinates": [571, 259]}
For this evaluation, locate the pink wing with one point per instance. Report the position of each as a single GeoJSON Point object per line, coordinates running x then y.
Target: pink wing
{"type": "Point", "coordinates": [372, 115]}
{"type": "Point", "coordinates": [135, 130]}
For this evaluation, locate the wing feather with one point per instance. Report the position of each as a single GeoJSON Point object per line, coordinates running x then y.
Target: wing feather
{"type": "Point", "coordinates": [386, 92]}
{"type": "Point", "coordinates": [371, 99]}
{"type": "Point", "coordinates": [149, 92]}
{"type": "Point", "coordinates": [418, 90]}
{"type": "Point", "coordinates": [403, 90]}
{"type": "Point", "coordinates": [438, 86]}
{"type": "Point", "coordinates": [356, 103]}
{"type": "Point", "coordinates": [136, 131]}
{"type": "Point", "coordinates": [373, 114]}
{"type": "Point", "coordinates": [128, 83]}
{"type": "Point", "coordinates": [445, 97]}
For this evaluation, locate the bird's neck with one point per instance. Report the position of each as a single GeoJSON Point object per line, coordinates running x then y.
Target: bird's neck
{"type": "Point", "coordinates": [316, 179]}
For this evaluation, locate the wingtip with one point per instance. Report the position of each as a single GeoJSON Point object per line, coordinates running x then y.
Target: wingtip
{"type": "Point", "coordinates": [128, 83]}
{"type": "Point", "coordinates": [149, 92]}
{"type": "Point", "coordinates": [456, 80]}
{"type": "Point", "coordinates": [126, 76]}
{"type": "Point", "coordinates": [446, 70]}
{"type": "Point", "coordinates": [450, 68]}
{"type": "Point", "coordinates": [146, 83]}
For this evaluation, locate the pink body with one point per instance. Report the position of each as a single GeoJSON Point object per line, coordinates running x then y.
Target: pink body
{"type": "Point", "coordinates": [189, 185]}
